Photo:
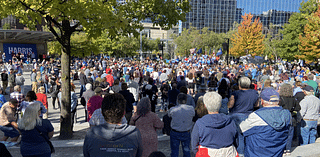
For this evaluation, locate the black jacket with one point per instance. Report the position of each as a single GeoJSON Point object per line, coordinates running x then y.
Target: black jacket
{"type": "Point", "coordinates": [4, 77]}
{"type": "Point", "coordinates": [129, 98]}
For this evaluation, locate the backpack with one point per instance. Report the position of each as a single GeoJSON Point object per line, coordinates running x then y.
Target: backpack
{"type": "Point", "coordinates": [147, 92]}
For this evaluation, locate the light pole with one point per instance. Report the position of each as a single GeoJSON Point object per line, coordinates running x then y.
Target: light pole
{"type": "Point", "coordinates": [225, 46]}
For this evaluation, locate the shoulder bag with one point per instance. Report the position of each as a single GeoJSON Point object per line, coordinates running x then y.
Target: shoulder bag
{"type": "Point", "coordinates": [47, 140]}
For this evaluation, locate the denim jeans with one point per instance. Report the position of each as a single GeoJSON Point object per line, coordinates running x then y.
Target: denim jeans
{"type": "Point", "coordinates": [82, 89]}
{"type": "Point", "coordinates": [308, 131]}
{"type": "Point", "coordinates": [175, 139]}
{"type": "Point", "coordinates": [290, 136]}
{"type": "Point", "coordinates": [238, 118]}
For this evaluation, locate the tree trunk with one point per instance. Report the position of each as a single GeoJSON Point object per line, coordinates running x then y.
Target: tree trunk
{"type": "Point", "coordinates": [65, 117]}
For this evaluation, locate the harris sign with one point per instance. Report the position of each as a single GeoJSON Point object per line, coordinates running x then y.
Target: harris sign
{"type": "Point", "coordinates": [10, 49]}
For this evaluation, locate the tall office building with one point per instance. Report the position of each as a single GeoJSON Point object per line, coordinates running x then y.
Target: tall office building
{"type": "Point", "coordinates": [220, 15]}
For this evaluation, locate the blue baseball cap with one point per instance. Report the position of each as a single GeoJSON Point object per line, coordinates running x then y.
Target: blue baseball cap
{"type": "Point", "coordinates": [269, 94]}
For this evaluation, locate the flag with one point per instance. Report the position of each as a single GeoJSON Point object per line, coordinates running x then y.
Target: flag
{"type": "Point", "coordinates": [200, 51]}
{"type": "Point", "coordinates": [193, 50]}
{"type": "Point", "coordinates": [219, 52]}
{"type": "Point", "coordinates": [214, 52]}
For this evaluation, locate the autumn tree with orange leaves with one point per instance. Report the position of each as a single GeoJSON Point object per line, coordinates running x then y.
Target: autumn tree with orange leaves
{"type": "Point", "coordinates": [310, 41]}
{"type": "Point", "coordinates": [248, 39]}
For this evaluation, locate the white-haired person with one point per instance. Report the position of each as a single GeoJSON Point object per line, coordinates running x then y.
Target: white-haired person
{"type": "Point", "coordinates": [31, 127]}
{"type": "Point", "coordinates": [147, 122]}
{"type": "Point", "coordinates": [241, 104]}
{"type": "Point", "coordinates": [214, 134]}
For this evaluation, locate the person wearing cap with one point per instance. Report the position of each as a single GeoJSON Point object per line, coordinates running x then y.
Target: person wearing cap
{"type": "Point", "coordinates": [214, 134]}
{"type": "Point", "coordinates": [4, 79]}
{"type": "Point", "coordinates": [266, 130]}
{"type": "Point", "coordinates": [8, 121]}
{"type": "Point", "coordinates": [310, 108]}
{"type": "Point", "coordinates": [94, 102]}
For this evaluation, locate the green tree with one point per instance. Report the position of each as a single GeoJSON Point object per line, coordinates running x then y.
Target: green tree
{"type": "Point", "coordinates": [249, 38]}
{"type": "Point", "coordinates": [289, 45]}
{"type": "Point", "coordinates": [92, 17]}
{"type": "Point", "coordinates": [310, 41]}
{"type": "Point", "coordinates": [6, 26]}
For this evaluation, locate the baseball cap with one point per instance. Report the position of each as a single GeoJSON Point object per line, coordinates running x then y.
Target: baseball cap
{"type": "Point", "coordinates": [307, 88]}
{"type": "Point", "coordinates": [269, 94]}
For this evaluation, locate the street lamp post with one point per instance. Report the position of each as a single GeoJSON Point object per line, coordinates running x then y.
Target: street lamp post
{"type": "Point", "coordinates": [225, 46]}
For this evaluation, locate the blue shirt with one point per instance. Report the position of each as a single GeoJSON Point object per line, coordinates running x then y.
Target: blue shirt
{"type": "Point", "coordinates": [244, 101]}
{"type": "Point", "coordinates": [32, 143]}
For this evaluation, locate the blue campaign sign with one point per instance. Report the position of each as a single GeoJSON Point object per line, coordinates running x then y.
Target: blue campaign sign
{"type": "Point", "coordinates": [10, 49]}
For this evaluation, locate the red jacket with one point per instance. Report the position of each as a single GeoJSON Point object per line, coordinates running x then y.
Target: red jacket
{"type": "Point", "coordinates": [110, 79]}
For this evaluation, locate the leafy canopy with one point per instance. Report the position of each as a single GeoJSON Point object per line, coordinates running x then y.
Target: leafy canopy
{"type": "Point", "coordinates": [249, 38]}
{"type": "Point", "coordinates": [310, 41]}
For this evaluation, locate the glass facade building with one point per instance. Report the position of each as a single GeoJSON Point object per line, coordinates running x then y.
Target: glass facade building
{"type": "Point", "coordinates": [220, 15]}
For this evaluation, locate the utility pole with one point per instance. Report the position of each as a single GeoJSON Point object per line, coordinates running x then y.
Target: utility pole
{"type": "Point", "coordinates": [225, 46]}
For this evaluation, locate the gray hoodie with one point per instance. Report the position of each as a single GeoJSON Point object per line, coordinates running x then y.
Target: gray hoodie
{"type": "Point", "coordinates": [113, 141]}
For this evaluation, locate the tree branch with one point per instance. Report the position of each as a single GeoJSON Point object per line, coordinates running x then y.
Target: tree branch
{"type": "Point", "coordinates": [49, 20]}
{"type": "Point", "coordinates": [28, 7]}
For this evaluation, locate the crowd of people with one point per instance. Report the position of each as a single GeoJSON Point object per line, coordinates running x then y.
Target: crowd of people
{"type": "Point", "coordinates": [211, 109]}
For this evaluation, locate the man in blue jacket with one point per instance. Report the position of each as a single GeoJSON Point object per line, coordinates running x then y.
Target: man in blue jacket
{"type": "Point", "coordinates": [266, 130]}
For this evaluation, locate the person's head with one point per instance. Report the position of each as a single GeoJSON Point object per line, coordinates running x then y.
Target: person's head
{"type": "Point", "coordinates": [310, 77]}
{"type": "Point", "coordinates": [31, 96]}
{"type": "Point", "coordinates": [200, 108]}
{"type": "Point", "coordinates": [182, 98]}
{"type": "Point", "coordinates": [269, 97]}
{"type": "Point", "coordinates": [144, 106]}
{"type": "Point", "coordinates": [298, 83]}
{"type": "Point", "coordinates": [42, 90]}
{"type": "Point", "coordinates": [30, 117]}
{"type": "Point", "coordinates": [150, 80]}
{"type": "Point", "coordinates": [124, 86]}
{"type": "Point", "coordinates": [244, 83]}
{"type": "Point", "coordinates": [212, 101]}
{"type": "Point", "coordinates": [183, 89]}
{"type": "Point", "coordinates": [116, 82]}
{"type": "Point", "coordinates": [267, 83]}
{"type": "Point", "coordinates": [98, 91]}
{"type": "Point", "coordinates": [308, 90]}
{"type": "Point", "coordinates": [88, 86]}
{"type": "Point", "coordinates": [182, 77]}
{"type": "Point", "coordinates": [113, 108]}
{"type": "Point", "coordinates": [13, 103]}
{"type": "Point", "coordinates": [286, 90]}
{"type": "Point", "coordinates": [17, 88]}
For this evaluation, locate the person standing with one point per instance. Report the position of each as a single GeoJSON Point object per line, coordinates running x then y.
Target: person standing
{"type": "Point", "coordinates": [266, 130]}
{"type": "Point", "coordinates": [310, 108]}
{"type": "Point", "coordinates": [214, 133]}
{"type": "Point", "coordinates": [147, 122]}
{"type": "Point", "coordinates": [20, 81]}
{"type": "Point", "coordinates": [34, 79]}
{"type": "Point", "coordinates": [85, 98]}
{"type": "Point", "coordinates": [4, 79]}
{"type": "Point", "coordinates": [151, 91]}
{"type": "Point", "coordinates": [83, 82]}
{"type": "Point", "coordinates": [105, 139]}
{"type": "Point", "coordinates": [17, 95]}
{"type": "Point", "coordinates": [241, 104]}
{"type": "Point", "coordinates": [42, 97]}
{"type": "Point", "coordinates": [129, 100]}
{"type": "Point", "coordinates": [94, 102]}
{"type": "Point", "coordinates": [181, 124]}
{"type": "Point", "coordinates": [33, 131]}
{"type": "Point", "coordinates": [11, 80]}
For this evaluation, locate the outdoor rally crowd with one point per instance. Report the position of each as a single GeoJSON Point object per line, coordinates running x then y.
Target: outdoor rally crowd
{"type": "Point", "coordinates": [212, 109]}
